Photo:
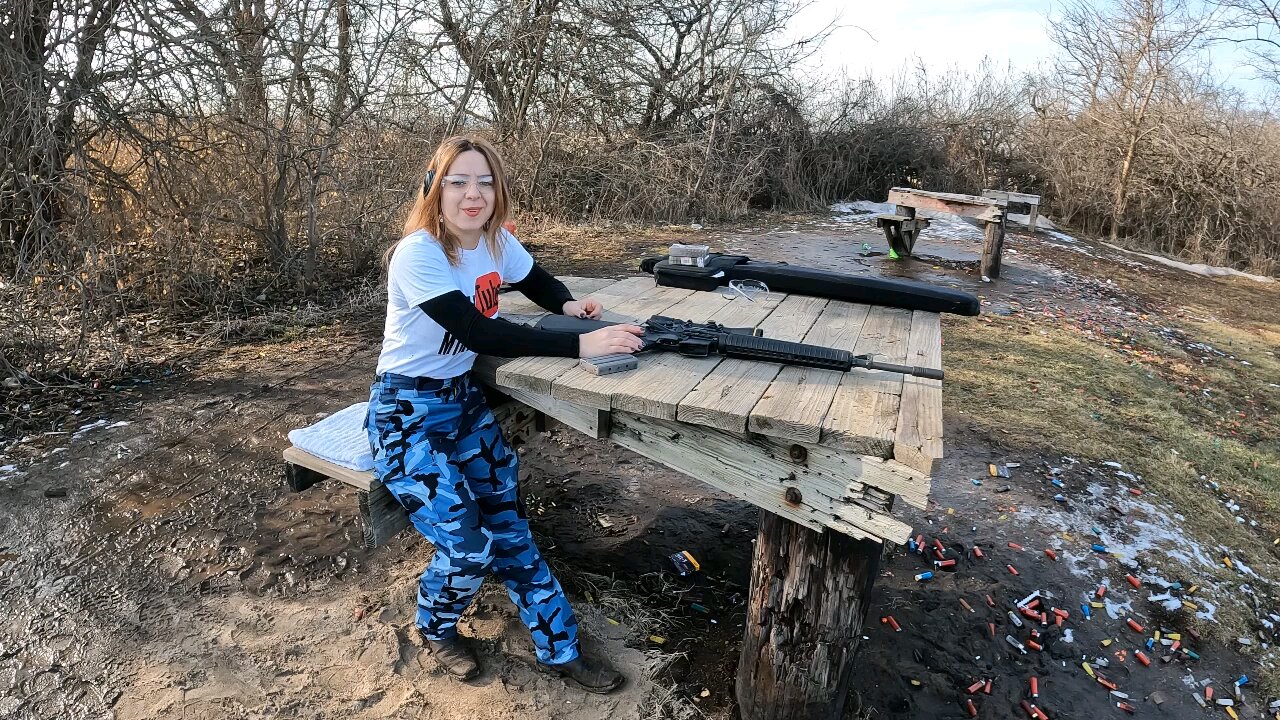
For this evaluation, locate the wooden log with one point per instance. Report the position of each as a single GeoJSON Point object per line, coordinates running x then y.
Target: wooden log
{"type": "Point", "coordinates": [809, 597]}
{"type": "Point", "coordinates": [381, 515]}
{"type": "Point", "coordinates": [992, 248]}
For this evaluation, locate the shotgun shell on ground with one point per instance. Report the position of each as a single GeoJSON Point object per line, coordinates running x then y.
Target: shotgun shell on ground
{"type": "Point", "coordinates": [1208, 693]}
{"type": "Point", "coordinates": [974, 688]}
{"type": "Point", "coordinates": [977, 552]}
{"type": "Point", "coordinates": [1049, 553]}
{"type": "Point", "coordinates": [969, 706]}
{"type": "Point", "coordinates": [940, 564]}
{"type": "Point", "coordinates": [1035, 687]}
{"type": "Point", "coordinates": [1142, 658]}
{"type": "Point", "coordinates": [990, 602]}
{"type": "Point", "coordinates": [892, 623]}
{"type": "Point", "coordinates": [1035, 645]}
{"type": "Point", "coordinates": [1133, 581]}
{"type": "Point", "coordinates": [1015, 546]}
{"type": "Point", "coordinates": [1012, 569]}
{"type": "Point", "coordinates": [987, 688]}
{"type": "Point", "coordinates": [966, 605]}
{"type": "Point", "coordinates": [1026, 707]}
{"type": "Point", "coordinates": [1134, 624]}
{"type": "Point", "coordinates": [1102, 590]}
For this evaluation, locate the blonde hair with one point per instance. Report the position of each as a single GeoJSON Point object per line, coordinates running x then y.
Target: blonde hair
{"type": "Point", "coordinates": [425, 213]}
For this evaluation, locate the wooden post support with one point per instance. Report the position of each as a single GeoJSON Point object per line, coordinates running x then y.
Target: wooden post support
{"type": "Point", "coordinates": [992, 248]}
{"type": "Point", "coordinates": [809, 596]}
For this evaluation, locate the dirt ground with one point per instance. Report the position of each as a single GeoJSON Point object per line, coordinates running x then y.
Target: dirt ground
{"type": "Point", "coordinates": [154, 565]}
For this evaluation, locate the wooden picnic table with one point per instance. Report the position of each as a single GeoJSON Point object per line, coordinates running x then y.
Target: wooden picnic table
{"type": "Point", "coordinates": [827, 455]}
{"type": "Point", "coordinates": [902, 227]}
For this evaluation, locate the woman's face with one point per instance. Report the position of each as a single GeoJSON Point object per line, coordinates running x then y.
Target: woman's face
{"type": "Point", "coordinates": [466, 197]}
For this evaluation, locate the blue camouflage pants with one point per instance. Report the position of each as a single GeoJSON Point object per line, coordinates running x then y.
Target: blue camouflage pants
{"type": "Point", "coordinates": [439, 450]}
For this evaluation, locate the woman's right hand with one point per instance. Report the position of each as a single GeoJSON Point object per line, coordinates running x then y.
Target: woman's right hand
{"type": "Point", "coordinates": [610, 340]}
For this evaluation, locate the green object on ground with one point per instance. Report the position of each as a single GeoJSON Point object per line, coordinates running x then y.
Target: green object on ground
{"type": "Point", "coordinates": [893, 254]}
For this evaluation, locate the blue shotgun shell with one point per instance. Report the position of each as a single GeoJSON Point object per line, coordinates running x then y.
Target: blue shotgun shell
{"type": "Point", "coordinates": [1099, 548]}
{"type": "Point", "coordinates": [924, 576]}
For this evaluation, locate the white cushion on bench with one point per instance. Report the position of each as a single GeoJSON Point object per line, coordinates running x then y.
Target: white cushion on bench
{"type": "Point", "coordinates": [339, 438]}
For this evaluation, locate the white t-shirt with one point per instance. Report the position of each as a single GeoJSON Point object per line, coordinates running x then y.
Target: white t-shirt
{"type": "Point", "coordinates": [412, 343]}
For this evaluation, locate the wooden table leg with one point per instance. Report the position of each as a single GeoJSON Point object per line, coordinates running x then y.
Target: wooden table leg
{"type": "Point", "coordinates": [809, 597]}
{"type": "Point", "coordinates": [992, 248]}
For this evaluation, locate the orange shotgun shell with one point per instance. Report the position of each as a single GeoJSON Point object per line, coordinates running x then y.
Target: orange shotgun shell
{"type": "Point", "coordinates": [1012, 569]}
{"type": "Point", "coordinates": [1133, 581]}
{"type": "Point", "coordinates": [1146, 662]}
{"type": "Point", "coordinates": [1134, 624]}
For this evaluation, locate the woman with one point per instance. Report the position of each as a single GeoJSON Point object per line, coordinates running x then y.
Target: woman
{"type": "Point", "coordinates": [436, 445]}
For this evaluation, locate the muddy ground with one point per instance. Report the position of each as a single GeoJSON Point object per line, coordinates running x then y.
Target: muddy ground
{"type": "Point", "coordinates": [153, 564]}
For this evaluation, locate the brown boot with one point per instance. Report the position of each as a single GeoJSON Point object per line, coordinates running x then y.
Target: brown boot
{"type": "Point", "coordinates": [455, 657]}
{"type": "Point", "coordinates": [590, 674]}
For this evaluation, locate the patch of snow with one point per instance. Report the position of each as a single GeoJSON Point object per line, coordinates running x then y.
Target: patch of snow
{"type": "Point", "coordinates": [83, 429]}
{"type": "Point", "coordinates": [864, 207]}
{"type": "Point", "coordinates": [1197, 268]}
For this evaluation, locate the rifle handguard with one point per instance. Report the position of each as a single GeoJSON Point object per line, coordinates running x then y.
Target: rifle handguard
{"type": "Point", "coordinates": [749, 347]}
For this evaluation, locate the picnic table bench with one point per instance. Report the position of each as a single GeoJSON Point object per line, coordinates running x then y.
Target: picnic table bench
{"type": "Point", "coordinates": [828, 456]}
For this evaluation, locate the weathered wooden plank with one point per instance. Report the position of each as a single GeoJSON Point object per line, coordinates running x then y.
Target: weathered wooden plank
{"type": "Point", "coordinates": [918, 439]}
{"type": "Point", "coordinates": [360, 480]}
{"type": "Point", "coordinates": [797, 400]}
{"type": "Point", "coordinates": [843, 474]}
{"type": "Point", "coordinates": [536, 374]}
{"type": "Point", "coordinates": [1011, 197]}
{"type": "Point", "coordinates": [579, 386]}
{"type": "Point", "coordinates": [966, 205]}
{"type": "Point", "coordinates": [747, 470]}
{"type": "Point", "coordinates": [593, 422]}
{"type": "Point", "coordinates": [726, 395]}
{"type": "Point", "coordinates": [864, 409]}
{"type": "Point", "coordinates": [657, 388]}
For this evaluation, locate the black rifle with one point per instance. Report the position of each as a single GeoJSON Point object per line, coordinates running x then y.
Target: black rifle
{"type": "Point", "coordinates": [693, 339]}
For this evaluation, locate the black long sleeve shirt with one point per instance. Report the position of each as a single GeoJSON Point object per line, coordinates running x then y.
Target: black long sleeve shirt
{"type": "Point", "coordinates": [494, 336]}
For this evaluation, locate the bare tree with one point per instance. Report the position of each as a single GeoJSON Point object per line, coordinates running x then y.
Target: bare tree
{"type": "Point", "coordinates": [1118, 60]}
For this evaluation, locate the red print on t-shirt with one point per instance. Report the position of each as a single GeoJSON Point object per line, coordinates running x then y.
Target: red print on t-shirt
{"type": "Point", "coordinates": [487, 293]}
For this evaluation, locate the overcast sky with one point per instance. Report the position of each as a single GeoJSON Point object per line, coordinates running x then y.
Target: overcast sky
{"type": "Point", "coordinates": [883, 36]}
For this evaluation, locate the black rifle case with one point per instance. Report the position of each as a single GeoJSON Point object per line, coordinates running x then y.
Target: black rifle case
{"type": "Point", "coordinates": [780, 277]}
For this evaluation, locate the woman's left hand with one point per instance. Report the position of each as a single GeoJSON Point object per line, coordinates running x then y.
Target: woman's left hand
{"type": "Point", "coordinates": [585, 308]}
